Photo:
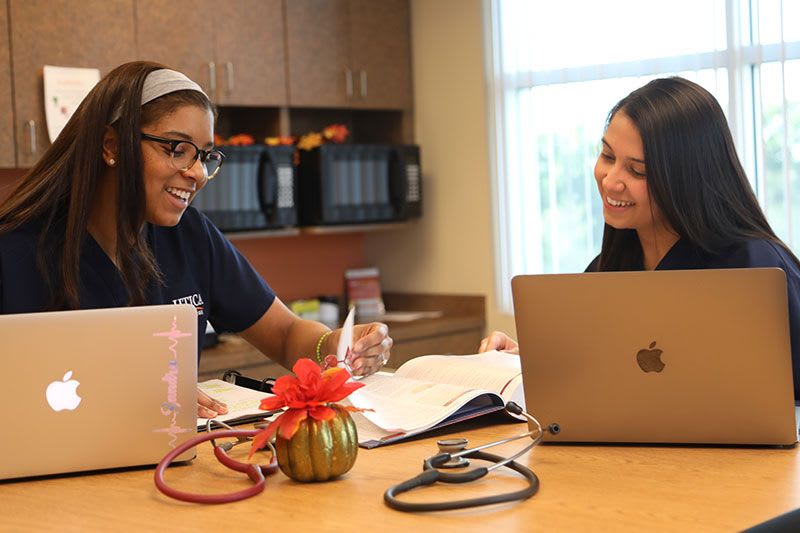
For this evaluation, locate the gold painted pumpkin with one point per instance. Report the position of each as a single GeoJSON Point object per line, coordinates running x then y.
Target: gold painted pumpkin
{"type": "Point", "coordinates": [320, 449]}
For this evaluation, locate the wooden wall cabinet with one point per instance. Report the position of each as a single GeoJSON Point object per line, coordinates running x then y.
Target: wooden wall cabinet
{"type": "Point", "coordinates": [380, 50]}
{"type": "Point", "coordinates": [62, 33]}
{"type": "Point", "coordinates": [179, 34]}
{"type": "Point", "coordinates": [349, 53]}
{"type": "Point", "coordinates": [233, 49]}
{"type": "Point", "coordinates": [349, 56]}
{"type": "Point", "coordinates": [8, 156]}
{"type": "Point", "coordinates": [251, 54]}
{"type": "Point", "coordinates": [318, 53]}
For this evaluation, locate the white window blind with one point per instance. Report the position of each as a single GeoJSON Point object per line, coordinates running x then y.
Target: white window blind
{"type": "Point", "coordinates": [556, 69]}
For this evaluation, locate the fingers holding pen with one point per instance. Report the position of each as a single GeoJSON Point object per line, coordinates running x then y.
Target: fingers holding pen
{"type": "Point", "coordinates": [372, 349]}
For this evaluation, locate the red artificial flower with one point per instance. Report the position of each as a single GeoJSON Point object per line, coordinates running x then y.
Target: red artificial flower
{"type": "Point", "coordinates": [307, 394]}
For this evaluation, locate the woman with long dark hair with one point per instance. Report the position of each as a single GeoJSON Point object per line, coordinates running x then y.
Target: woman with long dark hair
{"type": "Point", "coordinates": [675, 196]}
{"type": "Point", "coordinates": [103, 220]}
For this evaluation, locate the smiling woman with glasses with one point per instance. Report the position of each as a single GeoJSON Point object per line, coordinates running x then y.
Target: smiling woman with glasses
{"type": "Point", "coordinates": [104, 219]}
{"type": "Point", "coordinates": [675, 197]}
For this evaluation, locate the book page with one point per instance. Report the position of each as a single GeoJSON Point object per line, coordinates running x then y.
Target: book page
{"type": "Point", "coordinates": [371, 435]}
{"type": "Point", "coordinates": [242, 402]}
{"type": "Point", "coordinates": [496, 371]}
{"type": "Point", "coordinates": [404, 405]}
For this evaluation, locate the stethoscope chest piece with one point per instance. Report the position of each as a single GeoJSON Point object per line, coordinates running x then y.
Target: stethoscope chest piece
{"type": "Point", "coordinates": [452, 447]}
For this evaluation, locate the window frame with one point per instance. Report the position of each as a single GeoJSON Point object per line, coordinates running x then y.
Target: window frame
{"type": "Point", "coordinates": [741, 59]}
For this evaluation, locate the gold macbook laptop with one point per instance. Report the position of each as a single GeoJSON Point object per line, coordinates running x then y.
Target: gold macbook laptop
{"type": "Point", "coordinates": [96, 389]}
{"type": "Point", "coordinates": [700, 356]}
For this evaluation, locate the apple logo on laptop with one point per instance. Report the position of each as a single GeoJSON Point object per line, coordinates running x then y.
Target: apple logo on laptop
{"type": "Point", "coordinates": [63, 394]}
{"type": "Point", "coordinates": [650, 359]}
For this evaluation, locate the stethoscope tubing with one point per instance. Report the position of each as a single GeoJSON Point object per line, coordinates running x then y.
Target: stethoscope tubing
{"type": "Point", "coordinates": [432, 461]}
{"type": "Point", "coordinates": [431, 473]}
{"type": "Point", "coordinates": [255, 472]}
{"type": "Point", "coordinates": [430, 476]}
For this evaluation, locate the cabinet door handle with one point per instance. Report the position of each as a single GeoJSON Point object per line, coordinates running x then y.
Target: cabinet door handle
{"type": "Point", "coordinates": [32, 134]}
{"type": "Point", "coordinates": [363, 83]}
{"type": "Point", "coordinates": [212, 78]}
{"type": "Point", "coordinates": [229, 72]}
{"type": "Point", "coordinates": [348, 82]}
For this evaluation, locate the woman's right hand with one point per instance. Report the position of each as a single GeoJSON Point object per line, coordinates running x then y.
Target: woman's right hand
{"type": "Point", "coordinates": [497, 340]}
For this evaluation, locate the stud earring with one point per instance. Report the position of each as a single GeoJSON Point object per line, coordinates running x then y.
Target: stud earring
{"type": "Point", "coordinates": [111, 162]}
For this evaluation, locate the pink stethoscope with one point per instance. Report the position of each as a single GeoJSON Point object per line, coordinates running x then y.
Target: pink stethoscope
{"type": "Point", "coordinates": [255, 472]}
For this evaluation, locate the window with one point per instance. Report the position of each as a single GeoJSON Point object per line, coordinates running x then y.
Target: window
{"type": "Point", "coordinates": [557, 68]}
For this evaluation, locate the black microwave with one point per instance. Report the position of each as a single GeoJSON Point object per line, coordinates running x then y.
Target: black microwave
{"type": "Point", "coordinates": [359, 183]}
{"type": "Point", "coordinates": [255, 189]}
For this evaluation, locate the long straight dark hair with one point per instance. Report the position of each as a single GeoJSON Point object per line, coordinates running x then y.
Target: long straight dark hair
{"type": "Point", "coordinates": [59, 191]}
{"type": "Point", "coordinates": [694, 176]}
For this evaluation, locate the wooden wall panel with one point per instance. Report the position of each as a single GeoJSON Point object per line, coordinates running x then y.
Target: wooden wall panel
{"type": "Point", "coordinates": [66, 34]}
{"type": "Point", "coordinates": [8, 156]}
{"type": "Point", "coordinates": [305, 266]}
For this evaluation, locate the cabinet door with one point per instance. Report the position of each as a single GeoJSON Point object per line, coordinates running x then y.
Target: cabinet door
{"type": "Point", "coordinates": [8, 155]}
{"type": "Point", "coordinates": [180, 35]}
{"type": "Point", "coordinates": [61, 33]}
{"type": "Point", "coordinates": [251, 61]}
{"type": "Point", "coordinates": [318, 52]}
{"type": "Point", "coordinates": [381, 53]}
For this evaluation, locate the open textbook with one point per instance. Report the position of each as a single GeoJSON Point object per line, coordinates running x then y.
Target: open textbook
{"type": "Point", "coordinates": [433, 391]}
{"type": "Point", "coordinates": [242, 402]}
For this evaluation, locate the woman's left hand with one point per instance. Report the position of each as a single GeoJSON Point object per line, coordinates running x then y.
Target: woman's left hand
{"type": "Point", "coordinates": [371, 347]}
{"type": "Point", "coordinates": [208, 407]}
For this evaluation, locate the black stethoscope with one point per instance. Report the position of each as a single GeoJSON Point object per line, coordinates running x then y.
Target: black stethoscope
{"type": "Point", "coordinates": [454, 454]}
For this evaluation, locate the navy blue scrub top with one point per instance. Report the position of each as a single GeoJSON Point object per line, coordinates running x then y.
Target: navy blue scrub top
{"type": "Point", "coordinates": [754, 253]}
{"type": "Point", "coordinates": [199, 266]}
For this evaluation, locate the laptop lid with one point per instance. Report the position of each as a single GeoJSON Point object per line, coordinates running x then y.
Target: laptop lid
{"type": "Point", "coordinates": [95, 389]}
{"type": "Point", "coordinates": [700, 356]}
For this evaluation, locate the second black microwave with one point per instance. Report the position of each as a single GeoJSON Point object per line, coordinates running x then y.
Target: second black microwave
{"type": "Point", "coordinates": [359, 183]}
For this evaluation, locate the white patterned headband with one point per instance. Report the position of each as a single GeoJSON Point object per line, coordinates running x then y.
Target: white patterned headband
{"type": "Point", "coordinates": [161, 82]}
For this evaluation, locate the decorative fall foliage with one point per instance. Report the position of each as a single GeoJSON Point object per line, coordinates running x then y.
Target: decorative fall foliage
{"type": "Point", "coordinates": [240, 139]}
{"type": "Point", "coordinates": [309, 141]}
{"type": "Point", "coordinates": [335, 133]}
{"type": "Point", "coordinates": [280, 141]}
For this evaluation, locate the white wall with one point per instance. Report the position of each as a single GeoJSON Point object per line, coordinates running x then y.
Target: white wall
{"type": "Point", "coordinates": [449, 250]}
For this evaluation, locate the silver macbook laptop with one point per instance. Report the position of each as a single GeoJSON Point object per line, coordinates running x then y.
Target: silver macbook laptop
{"type": "Point", "coordinates": [699, 356]}
{"type": "Point", "coordinates": [96, 389]}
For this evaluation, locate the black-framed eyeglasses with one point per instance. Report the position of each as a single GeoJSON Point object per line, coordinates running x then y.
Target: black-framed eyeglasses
{"type": "Point", "coordinates": [183, 155]}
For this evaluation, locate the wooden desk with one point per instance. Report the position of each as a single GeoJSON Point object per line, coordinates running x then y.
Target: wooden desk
{"type": "Point", "coordinates": [583, 488]}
